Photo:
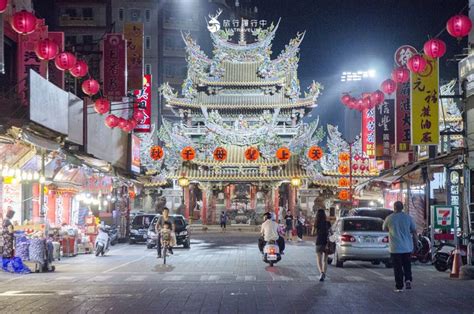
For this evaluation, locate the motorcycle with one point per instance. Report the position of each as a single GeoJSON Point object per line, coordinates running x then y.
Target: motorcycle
{"type": "Point", "coordinates": [444, 256]}
{"type": "Point", "coordinates": [113, 234]}
{"type": "Point", "coordinates": [423, 253]}
{"type": "Point", "coordinates": [102, 242]}
{"type": "Point", "coordinates": [271, 253]}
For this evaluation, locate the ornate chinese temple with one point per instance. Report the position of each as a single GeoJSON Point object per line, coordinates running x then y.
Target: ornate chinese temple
{"type": "Point", "coordinates": [240, 98]}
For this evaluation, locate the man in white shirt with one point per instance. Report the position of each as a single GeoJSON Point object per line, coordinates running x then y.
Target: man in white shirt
{"type": "Point", "coordinates": [269, 231]}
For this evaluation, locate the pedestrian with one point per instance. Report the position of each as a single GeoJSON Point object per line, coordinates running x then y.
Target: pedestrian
{"type": "Point", "coordinates": [403, 240]}
{"type": "Point", "coordinates": [7, 228]}
{"type": "Point", "coordinates": [289, 226]}
{"type": "Point", "coordinates": [223, 220]}
{"type": "Point", "coordinates": [322, 228]}
{"type": "Point", "coordinates": [300, 227]}
{"type": "Point", "coordinates": [159, 225]}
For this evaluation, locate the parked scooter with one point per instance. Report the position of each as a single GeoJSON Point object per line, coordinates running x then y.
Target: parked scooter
{"type": "Point", "coordinates": [444, 256]}
{"type": "Point", "coordinates": [423, 253]}
{"type": "Point", "coordinates": [102, 241]}
{"type": "Point", "coordinates": [113, 235]}
{"type": "Point", "coordinates": [271, 253]}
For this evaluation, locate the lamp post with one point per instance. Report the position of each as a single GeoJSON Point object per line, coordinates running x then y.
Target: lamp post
{"type": "Point", "coordinates": [183, 182]}
{"type": "Point", "coordinates": [295, 183]}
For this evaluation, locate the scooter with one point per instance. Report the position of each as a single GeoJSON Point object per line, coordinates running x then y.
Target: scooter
{"type": "Point", "coordinates": [102, 242]}
{"type": "Point", "coordinates": [423, 253]}
{"type": "Point", "coordinates": [271, 253]}
{"type": "Point", "coordinates": [444, 256]}
{"type": "Point", "coordinates": [113, 234]}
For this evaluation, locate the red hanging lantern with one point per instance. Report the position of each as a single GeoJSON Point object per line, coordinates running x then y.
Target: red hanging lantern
{"type": "Point", "coordinates": [251, 154]}
{"type": "Point", "coordinates": [102, 105]}
{"type": "Point", "coordinates": [389, 86]}
{"type": "Point", "coordinates": [3, 5]}
{"type": "Point", "coordinates": [128, 127]}
{"type": "Point", "coordinates": [79, 69]}
{"type": "Point", "coordinates": [401, 75]}
{"type": "Point", "coordinates": [345, 99]}
{"type": "Point", "coordinates": [90, 87]}
{"type": "Point", "coordinates": [367, 102]}
{"type": "Point", "coordinates": [434, 48]}
{"type": "Point", "coordinates": [360, 104]}
{"type": "Point", "coordinates": [111, 121]}
{"type": "Point", "coordinates": [459, 26]}
{"type": "Point", "coordinates": [417, 64]}
{"type": "Point", "coordinates": [315, 153]}
{"type": "Point", "coordinates": [133, 123]}
{"type": "Point", "coordinates": [377, 97]}
{"type": "Point", "coordinates": [188, 153]}
{"type": "Point", "coordinates": [46, 49]}
{"type": "Point", "coordinates": [343, 195]}
{"type": "Point", "coordinates": [65, 61]}
{"type": "Point", "coordinates": [24, 22]}
{"type": "Point", "coordinates": [122, 123]}
{"type": "Point", "coordinates": [156, 152]}
{"type": "Point", "coordinates": [138, 115]}
{"type": "Point", "coordinates": [220, 154]}
{"type": "Point", "coordinates": [283, 153]}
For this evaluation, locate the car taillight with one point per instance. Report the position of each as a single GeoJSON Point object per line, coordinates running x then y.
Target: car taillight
{"type": "Point", "coordinates": [272, 250]}
{"type": "Point", "coordinates": [385, 239]}
{"type": "Point", "coordinates": [347, 238]}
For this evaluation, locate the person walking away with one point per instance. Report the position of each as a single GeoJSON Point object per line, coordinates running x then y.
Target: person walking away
{"type": "Point", "coordinates": [300, 227]}
{"type": "Point", "coordinates": [269, 232]}
{"type": "Point", "coordinates": [322, 229]}
{"type": "Point", "coordinates": [159, 225]}
{"type": "Point", "coordinates": [402, 241]}
{"type": "Point", "coordinates": [8, 239]}
{"type": "Point", "coordinates": [223, 220]}
{"type": "Point", "coordinates": [289, 226]}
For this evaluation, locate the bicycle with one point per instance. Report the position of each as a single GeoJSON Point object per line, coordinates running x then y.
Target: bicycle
{"type": "Point", "coordinates": [165, 250]}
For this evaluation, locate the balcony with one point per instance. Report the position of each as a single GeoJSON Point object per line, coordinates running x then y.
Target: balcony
{"type": "Point", "coordinates": [79, 21]}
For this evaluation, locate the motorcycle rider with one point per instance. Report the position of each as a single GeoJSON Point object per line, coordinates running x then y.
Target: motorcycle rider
{"type": "Point", "coordinates": [159, 225]}
{"type": "Point", "coordinates": [269, 232]}
{"type": "Point", "coordinates": [103, 237]}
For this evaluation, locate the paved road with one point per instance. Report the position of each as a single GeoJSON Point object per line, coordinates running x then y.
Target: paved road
{"type": "Point", "coordinates": [224, 273]}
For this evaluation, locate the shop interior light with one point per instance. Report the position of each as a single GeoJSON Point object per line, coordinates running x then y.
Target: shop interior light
{"type": "Point", "coordinates": [371, 203]}
{"type": "Point", "coordinates": [109, 197]}
{"type": "Point", "coordinates": [113, 199]}
{"type": "Point", "coordinates": [5, 172]}
{"type": "Point", "coordinates": [11, 172]}
{"type": "Point", "coordinates": [42, 179]}
{"type": "Point", "coordinates": [95, 201]}
{"type": "Point", "coordinates": [36, 176]}
{"type": "Point", "coordinates": [15, 180]}
{"type": "Point", "coordinates": [24, 175]}
{"type": "Point", "coordinates": [29, 176]}
{"type": "Point", "coordinates": [105, 203]}
{"type": "Point", "coordinates": [87, 201]}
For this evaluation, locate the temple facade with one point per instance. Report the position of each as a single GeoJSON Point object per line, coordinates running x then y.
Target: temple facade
{"type": "Point", "coordinates": [237, 99]}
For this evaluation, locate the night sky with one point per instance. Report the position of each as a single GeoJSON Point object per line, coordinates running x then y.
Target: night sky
{"type": "Point", "coordinates": [352, 35]}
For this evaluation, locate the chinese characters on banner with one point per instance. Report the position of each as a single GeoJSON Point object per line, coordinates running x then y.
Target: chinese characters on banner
{"type": "Point", "coordinates": [27, 58]}
{"type": "Point", "coordinates": [135, 154]}
{"type": "Point", "coordinates": [425, 106]}
{"type": "Point", "coordinates": [454, 191]}
{"type": "Point", "coordinates": [385, 129]}
{"type": "Point", "coordinates": [143, 104]}
{"type": "Point", "coordinates": [248, 26]}
{"type": "Point", "coordinates": [55, 75]}
{"type": "Point", "coordinates": [115, 87]}
{"type": "Point", "coordinates": [134, 35]}
{"type": "Point", "coordinates": [368, 132]}
{"type": "Point", "coordinates": [403, 117]}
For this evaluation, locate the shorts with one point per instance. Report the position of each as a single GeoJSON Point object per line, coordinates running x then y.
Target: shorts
{"type": "Point", "coordinates": [321, 248]}
{"type": "Point", "coordinates": [223, 224]}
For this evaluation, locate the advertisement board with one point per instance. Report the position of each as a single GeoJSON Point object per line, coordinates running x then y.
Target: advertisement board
{"type": "Point", "coordinates": [385, 129]}
{"type": "Point", "coordinates": [114, 67]}
{"type": "Point", "coordinates": [368, 132]}
{"type": "Point", "coordinates": [135, 154]}
{"type": "Point", "coordinates": [143, 104]}
{"type": "Point", "coordinates": [402, 117]}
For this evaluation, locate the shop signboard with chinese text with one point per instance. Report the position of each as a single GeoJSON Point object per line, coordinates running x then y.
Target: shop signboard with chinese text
{"type": "Point", "coordinates": [134, 35]}
{"type": "Point", "coordinates": [135, 154]}
{"type": "Point", "coordinates": [425, 106]}
{"type": "Point", "coordinates": [444, 217]}
{"type": "Point", "coordinates": [368, 132]}
{"type": "Point", "coordinates": [115, 86]}
{"type": "Point", "coordinates": [27, 59]}
{"type": "Point", "coordinates": [143, 104]}
{"type": "Point", "coordinates": [454, 191]}
{"type": "Point", "coordinates": [384, 129]}
{"type": "Point", "coordinates": [11, 198]}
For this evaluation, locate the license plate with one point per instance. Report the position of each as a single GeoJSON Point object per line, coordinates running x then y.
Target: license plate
{"type": "Point", "coordinates": [272, 257]}
{"type": "Point", "coordinates": [369, 240]}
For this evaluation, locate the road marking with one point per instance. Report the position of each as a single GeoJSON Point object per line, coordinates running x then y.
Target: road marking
{"type": "Point", "coordinates": [280, 278]}
{"type": "Point", "coordinates": [33, 293]}
{"type": "Point", "coordinates": [100, 278]}
{"type": "Point", "coordinates": [124, 264]}
{"type": "Point", "coordinates": [64, 278]}
{"type": "Point", "coordinates": [313, 278]}
{"type": "Point", "coordinates": [136, 278]}
{"type": "Point", "coordinates": [355, 278]}
{"type": "Point", "coordinates": [173, 278]}
{"type": "Point", "coordinates": [250, 278]}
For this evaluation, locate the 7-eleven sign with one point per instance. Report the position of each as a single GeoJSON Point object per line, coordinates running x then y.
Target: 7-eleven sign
{"type": "Point", "coordinates": [444, 217]}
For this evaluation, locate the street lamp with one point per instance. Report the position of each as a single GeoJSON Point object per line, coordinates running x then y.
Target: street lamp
{"type": "Point", "coordinates": [348, 76]}
{"type": "Point", "coordinates": [296, 182]}
{"type": "Point", "coordinates": [183, 182]}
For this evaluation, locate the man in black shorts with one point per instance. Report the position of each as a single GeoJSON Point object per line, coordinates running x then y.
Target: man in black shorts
{"type": "Point", "coordinates": [223, 220]}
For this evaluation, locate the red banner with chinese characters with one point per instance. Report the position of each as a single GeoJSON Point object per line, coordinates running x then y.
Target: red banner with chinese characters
{"type": "Point", "coordinates": [368, 132]}
{"type": "Point", "coordinates": [143, 104]}
{"type": "Point", "coordinates": [27, 58]}
{"type": "Point", "coordinates": [385, 129]}
{"type": "Point", "coordinates": [134, 35]}
{"type": "Point", "coordinates": [55, 75]}
{"type": "Point", "coordinates": [114, 67]}
{"type": "Point", "coordinates": [403, 116]}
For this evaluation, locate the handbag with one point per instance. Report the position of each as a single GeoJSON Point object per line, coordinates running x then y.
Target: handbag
{"type": "Point", "coordinates": [293, 232]}
{"type": "Point", "coordinates": [330, 247]}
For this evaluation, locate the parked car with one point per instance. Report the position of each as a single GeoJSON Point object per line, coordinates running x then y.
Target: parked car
{"type": "Point", "coordinates": [360, 239]}
{"type": "Point", "coordinates": [139, 227]}
{"type": "Point", "coordinates": [378, 212]}
{"type": "Point", "coordinates": [181, 229]}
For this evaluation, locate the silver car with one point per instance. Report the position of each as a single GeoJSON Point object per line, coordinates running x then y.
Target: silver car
{"type": "Point", "coordinates": [360, 239]}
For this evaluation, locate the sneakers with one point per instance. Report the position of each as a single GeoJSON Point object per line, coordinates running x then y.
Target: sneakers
{"type": "Point", "coordinates": [398, 290]}
{"type": "Point", "coordinates": [408, 285]}
{"type": "Point", "coordinates": [322, 277]}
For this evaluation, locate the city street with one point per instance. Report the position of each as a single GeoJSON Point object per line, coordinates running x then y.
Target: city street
{"type": "Point", "coordinates": [224, 273]}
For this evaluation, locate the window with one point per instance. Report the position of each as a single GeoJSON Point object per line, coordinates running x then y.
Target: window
{"type": "Point", "coordinates": [87, 12]}
{"type": "Point", "coordinates": [87, 39]}
{"type": "Point", "coordinates": [363, 225]}
{"type": "Point", "coordinates": [71, 40]}
{"type": "Point", "coordinates": [147, 15]}
{"type": "Point", "coordinates": [70, 12]}
{"type": "Point", "coordinates": [147, 68]}
{"type": "Point", "coordinates": [121, 14]}
{"type": "Point", "coordinates": [147, 42]}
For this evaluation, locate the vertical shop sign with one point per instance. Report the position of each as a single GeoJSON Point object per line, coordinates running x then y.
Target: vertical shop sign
{"type": "Point", "coordinates": [55, 75]}
{"type": "Point", "coordinates": [454, 190]}
{"type": "Point", "coordinates": [114, 67]}
{"type": "Point", "coordinates": [384, 129]}
{"type": "Point", "coordinates": [403, 129]}
{"type": "Point", "coordinates": [27, 58]}
{"type": "Point", "coordinates": [134, 36]}
{"type": "Point", "coordinates": [135, 154]}
{"type": "Point", "coordinates": [424, 105]}
{"type": "Point", "coordinates": [2, 52]}
{"type": "Point", "coordinates": [368, 132]}
{"type": "Point", "coordinates": [143, 104]}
